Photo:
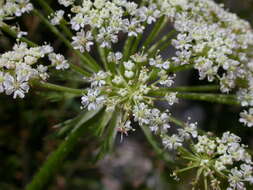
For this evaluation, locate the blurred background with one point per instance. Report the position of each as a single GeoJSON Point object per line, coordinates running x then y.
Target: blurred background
{"type": "Point", "coordinates": [28, 135]}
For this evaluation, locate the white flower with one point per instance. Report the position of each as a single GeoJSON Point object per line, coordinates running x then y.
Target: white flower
{"type": "Point", "coordinates": [129, 65]}
{"type": "Point", "coordinates": [159, 63]}
{"type": "Point", "coordinates": [66, 3]}
{"type": "Point", "coordinates": [129, 74]}
{"type": "Point", "coordinates": [106, 37]}
{"type": "Point", "coordinates": [58, 61]}
{"type": "Point", "coordinates": [17, 86]}
{"type": "Point", "coordinates": [189, 130]}
{"type": "Point", "coordinates": [99, 3]}
{"type": "Point", "coordinates": [98, 79]}
{"type": "Point", "coordinates": [171, 98]}
{"type": "Point", "coordinates": [172, 142]}
{"type": "Point", "coordinates": [158, 121]}
{"type": "Point", "coordinates": [83, 41]}
{"type": "Point", "coordinates": [93, 99]}
{"type": "Point", "coordinates": [247, 117]}
{"type": "Point", "coordinates": [134, 27]}
{"type": "Point", "coordinates": [24, 6]}
{"type": "Point", "coordinates": [2, 78]}
{"type": "Point", "coordinates": [42, 72]}
{"type": "Point", "coordinates": [114, 57]}
{"type": "Point", "coordinates": [235, 179]}
{"type": "Point", "coordinates": [57, 17]}
{"type": "Point", "coordinates": [141, 114]}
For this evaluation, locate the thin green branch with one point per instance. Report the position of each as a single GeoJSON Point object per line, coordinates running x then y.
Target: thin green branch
{"type": "Point", "coordinates": [136, 44]}
{"type": "Point", "coordinates": [181, 67]}
{"type": "Point", "coordinates": [156, 29]}
{"type": "Point", "coordinates": [7, 29]}
{"type": "Point", "coordinates": [160, 152]}
{"type": "Point", "coordinates": [214, 98]}
{"type": "Point", "coordinates": [201, 88]}
{"type": "Point", "coordinates": [155, 47]}
{"type": "Point", "coordinates": [127, 47]}
{"type": "Point", "coordinates": [50, 11]}
{"type": "Point", "coordinates": [59, 88]}
{"type": "Point", "coordinates": [176, 121]}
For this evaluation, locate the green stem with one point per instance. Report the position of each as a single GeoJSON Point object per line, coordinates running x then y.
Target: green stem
{"type": "Point", "coordinates": [161, 153]}
{"type": "Point", "coordinates": [176, 121]}
{"type": "Point", "coordinates": [90, 63]}
{"type": "Point", "coordinates": [156, 29]}
{"type": "Point", "coordinates": [50, 11]}
{"type": "Point", "coordinates": [215, 98]}
{"type": "Point", "coordinates": [58, 88]}
{"type": "Point", "coordinates": [79, 70]}
{"type": "Point", "coordinates": [127, 47]}
{"type": "Point", "coordinates": [201, 88]}
{"type": "Point", "coordinates": [180, 68]}
{"type": "Point", "coordinates": [56, 158]}
{"type": "Point", "coordinates": [153, 49]}
{"type": "Point", "coordinates": [7, 29]}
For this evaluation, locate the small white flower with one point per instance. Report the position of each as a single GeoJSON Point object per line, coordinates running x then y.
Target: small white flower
{"type": "Point", "coordinates": [171, 98]}
{"type": "Point", "coordinates": [93, 99]}
{"type": "Point", "coordinates": [172, 142]}
{"type": "Point", "coordinates": [114, 57]}
{"type": "Point", "coordinates": [129, 74]}
{"type": "Point", "coordinates": [57, 17]}
{"type": "Point", "coordinates": [17, 86]}
{"type": "Point", "coordinates": [129, 65]}
{"type": "Point", "coordinates": [141, 114]}
{"type": "Point", "coordinates": [189, 130]}
{"type": "Point", "coordinates": [58, 61]}
{"type": "Point", "coordinates": [2, 79]}
{"type": "Point", "coordinates": [83, 41]}
{"type": "Point", "coordinates": [247, 117]}
{"type": "Point", "coordinates": [66, 3]}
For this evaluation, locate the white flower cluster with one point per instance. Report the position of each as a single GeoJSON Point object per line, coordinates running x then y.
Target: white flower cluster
{"type": "Point", "coordinates": [129, 90]}
{"type": "Point", "coordinates": [213, 40]}
{"type": "Point", "coordinates": [102, 21]}
{"type": "Point", "coordinates": [218, 159]}
{"type": "Point", "coordinates": [19, 66]}
{"type": "Point", "coordinates": [11, 8]}
{"type": "Point", "coordinates": [216, 42]}
{"type": "Point", "coordinates": [176, 140]}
